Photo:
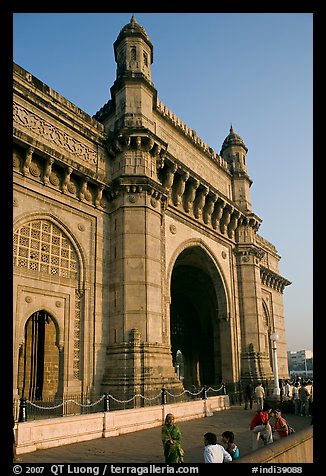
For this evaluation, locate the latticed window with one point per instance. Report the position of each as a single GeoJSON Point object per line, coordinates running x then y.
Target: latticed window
{"type": "Point", "coordinates": [41, 246]}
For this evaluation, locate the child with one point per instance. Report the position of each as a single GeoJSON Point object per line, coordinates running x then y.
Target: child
{"type": "Point", "coordinates": [231, 447]}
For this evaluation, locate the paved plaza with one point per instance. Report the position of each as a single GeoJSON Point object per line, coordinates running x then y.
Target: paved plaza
{"type": "Point", "coordinates": [145, 446]}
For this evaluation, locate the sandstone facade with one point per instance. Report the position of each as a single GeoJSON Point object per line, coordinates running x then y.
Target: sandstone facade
{"type": "Point", "coordinates": [137, 258]}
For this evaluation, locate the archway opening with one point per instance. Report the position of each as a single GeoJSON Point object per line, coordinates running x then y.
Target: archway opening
{"type": "Point", "coordinates": [194, 323]}
{"type": "Point", "coordinates": [38, 372]}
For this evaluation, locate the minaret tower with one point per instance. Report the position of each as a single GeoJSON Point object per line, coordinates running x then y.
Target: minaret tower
{"type": "Point", "coordinates": [133, 51]}
{"type": "Point", "coordinates": [255, 359]}
{"type": "Point", "coordinates": [133, 91]}
{"type": "Point", "coordinates": [139, 359]}
{"type": "Point", "coordinates": [234, 152]}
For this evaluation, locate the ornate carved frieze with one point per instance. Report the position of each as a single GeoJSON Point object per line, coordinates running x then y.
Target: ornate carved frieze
{"type": "Point", "coordinates": [273, 280]}
{"type": "Point", "coordinates": [123, 141]}
{"type": "Point", "coordinates": [52, 173]}
{"type": "Point", "coordinates": [51, 134]}
{"type": "Point", "coordinates": [133, 190]}
{"type": "Point", "coordinates": [249, 254]}
{"type": "Point", "coordinates": [250, 220]}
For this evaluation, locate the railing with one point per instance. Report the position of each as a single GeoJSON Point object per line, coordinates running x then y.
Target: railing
{"type": "Point", "coordinates": [25, 409]}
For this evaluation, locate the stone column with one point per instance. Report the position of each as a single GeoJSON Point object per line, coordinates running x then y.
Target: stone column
{"type": "Point", "coordinates": [136, 291]}
{"type": "Point", "coordinates": [254, 363]}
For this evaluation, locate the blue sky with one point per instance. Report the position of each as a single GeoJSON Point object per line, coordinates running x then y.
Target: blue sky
{"type": "Point", "coordinates": [253, 70]}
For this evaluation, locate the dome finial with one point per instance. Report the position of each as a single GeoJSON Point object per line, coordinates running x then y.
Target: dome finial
{"type": "Point", "coordinates": [133, 20]}
{"type": "Point", "coordinates": [231, 128]}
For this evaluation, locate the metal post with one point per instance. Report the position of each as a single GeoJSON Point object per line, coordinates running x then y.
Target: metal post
{"type": "Point", "coordinates": [276, 391]}
{"type": "Point", "coordinates": [204, 397]}
{"type": "Point", "coordinates": [106, 402]}
{"type": "Point", "coordinates": [163, 396]}
{"type": "Point", "coordinates": [22, 410]}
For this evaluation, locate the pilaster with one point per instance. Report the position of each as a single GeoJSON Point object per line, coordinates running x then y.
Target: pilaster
{"type": "Point", "coordinates": [255, 362]}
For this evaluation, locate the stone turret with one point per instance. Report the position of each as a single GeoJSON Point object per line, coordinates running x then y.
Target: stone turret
{"type": "Point", "coordinates": [133, 92]}
{"type": "Point", "coordinates": [234, 152]}
{"type": "Point", "coordinates": [133, 51]}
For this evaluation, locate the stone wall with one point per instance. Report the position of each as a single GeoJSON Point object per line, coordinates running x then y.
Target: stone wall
{"type": "Point", "coordinates": [49, 433]}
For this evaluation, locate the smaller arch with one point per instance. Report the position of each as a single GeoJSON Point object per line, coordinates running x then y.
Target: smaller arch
{"type": "Point", "coordinates": [39, 362]}
{"type": "Point", "coordinates": [32, 310]}
{"type": "Point", "coordinates": [266, 315]}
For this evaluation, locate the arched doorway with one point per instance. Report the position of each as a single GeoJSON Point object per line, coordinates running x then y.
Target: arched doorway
{"type": "Point", "coordinates": [38, 373]}
{"type": "Point", "coordinates": [194, 317]}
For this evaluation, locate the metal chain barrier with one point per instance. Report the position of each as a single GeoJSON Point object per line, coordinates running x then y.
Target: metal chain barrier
{"type": "Point", "coordinates": [106, 397]}
{"type": "Point", "coordinates": [64, 402]}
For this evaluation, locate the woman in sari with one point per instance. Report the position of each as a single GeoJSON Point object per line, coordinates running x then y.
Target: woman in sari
{"type": "Point", "coordinates": [171, 439]}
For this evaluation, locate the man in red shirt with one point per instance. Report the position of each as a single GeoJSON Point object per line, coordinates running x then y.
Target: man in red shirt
{"type": "Point", "coordinates": [260, 427]}
{"type": "Point", "coordinates": [280, 427]}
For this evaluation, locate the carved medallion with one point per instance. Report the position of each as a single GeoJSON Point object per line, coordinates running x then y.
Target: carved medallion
{"type": "Point", "coordinates": [173, 229]}
{"type": "Point", "coordinates": [54, 179]}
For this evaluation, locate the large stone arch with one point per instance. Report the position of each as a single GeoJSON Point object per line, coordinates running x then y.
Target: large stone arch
{"type": "Point", "coordinates": [199, 304]}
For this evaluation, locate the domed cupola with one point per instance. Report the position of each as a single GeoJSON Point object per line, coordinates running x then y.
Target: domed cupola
{"type": "Point", "coordinates": [233, 139]}
{"type": "Point", "coordinates": [234, 152]}
{"type": "Point", "coordinates": [133, 51]}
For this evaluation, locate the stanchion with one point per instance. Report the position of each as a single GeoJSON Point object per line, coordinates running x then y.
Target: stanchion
{"type": "Point", "coordinates": [106, 402]}
{"type": "Point", "coordinates": [22, 410]}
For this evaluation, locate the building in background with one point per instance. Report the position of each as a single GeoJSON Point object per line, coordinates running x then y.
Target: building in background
{"type": "Point", "coordinates": [137, 258]}
{"type": "Point", "coordinates": [301, 363]}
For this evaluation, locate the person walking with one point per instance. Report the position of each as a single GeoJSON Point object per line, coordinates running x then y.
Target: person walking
{"type": "Point", "coordinates": [287, 389]}
{"type": "Point", "coordinates": [260, 396]}
{"type": "Point", "coordinates": [260, 427]}
{"type": "Point", "coordinates": [247, 395]}
{"type": "Point", "coordinates": [304, 396]}
{"type": "Point", "coordinates": [230, 446]}
{"type": "Point", "coordinates": [171, 439]}
{"type": "Point", "coordinates": [296, 399]}
{"type": "Point", "coordinates": [214, 453]}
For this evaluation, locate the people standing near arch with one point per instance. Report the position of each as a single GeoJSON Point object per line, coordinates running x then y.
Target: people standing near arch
{"type": "Point", "coordinates": [247, 395]}
{"type": "Point", "coordinates": [171, 439]}
{"type": "Point", "coordinates": [260, 396]}
{"type": "Point", "coordinates": [296, 399]}
{"type": "Point", "coordinates": [304, 396]}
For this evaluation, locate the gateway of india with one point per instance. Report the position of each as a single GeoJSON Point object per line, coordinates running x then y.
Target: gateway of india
{"type": "Point", "coordinates": [137, 258]}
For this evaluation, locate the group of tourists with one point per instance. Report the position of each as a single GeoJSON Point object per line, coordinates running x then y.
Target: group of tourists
{"type": "Point", "coordinates": [299, 393]}
{"type": "Point", "coordinates": [262, 428]}
{"type": "Point", "coordinates": [267, 425]}
{"type": "Point", "coordinates": [213, 452]}
{"type": "Point", "coordinates": [260, 425]}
